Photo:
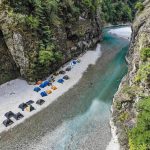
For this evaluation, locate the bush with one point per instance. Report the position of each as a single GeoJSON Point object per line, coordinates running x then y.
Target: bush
{"type": "Point", "coordinates": [139, 6]}
{"type": "Point", "coordinates": [32, 22]}
{"type": "Point", "coordinates": [143, 72]}
{"type": "Point", "coordinates": [145, 53]}
{"type": "Point", "coordinates": [139, 136]}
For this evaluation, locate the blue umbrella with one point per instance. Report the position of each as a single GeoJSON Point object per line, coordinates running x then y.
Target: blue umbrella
{"type": "Point", "coordinates": [37, 89]}
{"type": "Point", "coordinates": [43, 94]}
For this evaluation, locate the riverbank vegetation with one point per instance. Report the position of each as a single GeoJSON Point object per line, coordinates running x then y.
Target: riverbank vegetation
{"type": "Point", "coordinates": [139, 136]}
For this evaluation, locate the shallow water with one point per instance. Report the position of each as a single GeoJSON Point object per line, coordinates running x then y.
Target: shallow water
{"type": "Point", "coordinates": [78, 120]}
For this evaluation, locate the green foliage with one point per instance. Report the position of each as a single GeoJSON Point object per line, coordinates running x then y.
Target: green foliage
{"type": "Point", "coordinates": [139, 6]}
{"type": "Point", "coordinates": [139, 136]}
{"type": "Point", "coordinates": [143, 72]}
{"type": "Point", "coordinates": [123, 116]}
{"type": "Point", "coordinates": [32, 22]}
{"type": "Point", "coordinates": [145, 53]}
{"type": "Point", "coordinates": [117, 11]}
{"type": "Point", "coordinates": [48, 55]}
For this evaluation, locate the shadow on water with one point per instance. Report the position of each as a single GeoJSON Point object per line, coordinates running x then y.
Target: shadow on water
{"type": "Point", "coordinates": [85, 108]}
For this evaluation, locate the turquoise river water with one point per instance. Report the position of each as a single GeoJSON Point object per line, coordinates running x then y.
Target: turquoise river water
{"type": "Point", "coordinates": [78, 120]}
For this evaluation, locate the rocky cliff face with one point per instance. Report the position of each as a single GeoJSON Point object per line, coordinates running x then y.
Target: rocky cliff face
{"type": "Point", "coordinates": [136, 85]}
{"type": "Point", "coordinates": [8, 68]}
{"type": "Point", "coordinates": [71, 38]}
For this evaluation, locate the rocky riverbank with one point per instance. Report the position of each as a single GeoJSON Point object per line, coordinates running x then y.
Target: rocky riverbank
{"type": "Point", "coordinates": [135, 86]}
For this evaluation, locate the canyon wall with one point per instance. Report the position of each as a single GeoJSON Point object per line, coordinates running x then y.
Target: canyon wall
{"type": "Point", "coordinates": [133, 96]}
{"type": "Point", "coordinates": [70, 35]}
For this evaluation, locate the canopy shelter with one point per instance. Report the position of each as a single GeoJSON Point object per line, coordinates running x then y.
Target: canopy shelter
{"type": "Point", "coordinates": [44, 84]}
{"type": "Point", "coordinates": [39, 82]}
{"type": "Point", "coordinates": [7, 122]}
{"type": "Point", "coordinates": [40, 102]}
{"type": "Point", "coordinates": [62, 72]}
{"type": "Point", "coordinates": [48, 91]}
{"type": "Point", "coordinates": [29, 102]}
{"type": "Point", "coordinates": [66, 77]}
{"type": "Point", "coordinates": [9, 114]}
{"type": "Point", "coordinates": [37, 89]}
{"type": "Point", "coordinates": [18, 116]}
{"type": "Point", "coordinates": [54, 87]}
{"type": "Point", "coordinates": [29, 108]}
{"type": "Point", "coordinates": [50, 83]}
{"type": "Point", "coordinates": [43, 94]}
{"type": "Point", "coordinates": [73, 62]}
{"type": "Point", "coordinates": [68, 68]}
{"type": "Point", "coordinates": [23, 106]}
{"type": "Point", "coordinates": [56, 74]}
{"type": "Point", "coordinates": [60, 81]}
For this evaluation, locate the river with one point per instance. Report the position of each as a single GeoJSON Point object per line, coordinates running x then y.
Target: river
{"type": "Point", "coordinates": [79, 119]}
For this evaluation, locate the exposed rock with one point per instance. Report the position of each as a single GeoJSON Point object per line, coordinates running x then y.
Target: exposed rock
{"type": "Point", "coordinates": [72, 38]}
{"type": "Point", "coordinates": [125, 100]}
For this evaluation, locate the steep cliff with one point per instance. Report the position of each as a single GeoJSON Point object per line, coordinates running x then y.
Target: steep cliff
{"type": "Point", "coordinates": [8, 68]}
{"type": "Point", "coordinates": [40, 37]}
{"type": "Point", "coordinates": [131, 113]}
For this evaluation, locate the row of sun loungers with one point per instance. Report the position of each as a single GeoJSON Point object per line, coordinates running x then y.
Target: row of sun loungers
{"type": "Point", "coordinates": [24, 107]}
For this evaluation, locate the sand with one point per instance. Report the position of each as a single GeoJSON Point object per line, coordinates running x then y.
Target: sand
{"type": "Point", "coordinates": [18, 91]}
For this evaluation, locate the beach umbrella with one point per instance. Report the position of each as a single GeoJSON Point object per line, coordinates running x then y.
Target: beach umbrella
{"type": "Point", "coordinates": [7, 122]}
{"type": "Point", "coordinates": [54, 87]}
{"type": "Point", "coordinates": [30, 108]}
{"type": "Point", "coordinates": [29, 102]}
{"type": "Point", "coordinates": [68, 68]}
{"type": "Point", "coordinates": [62, 72]}
{"type": "Point", "coordinates": [39, 82]}
{"type": "Point", "coordinates": [46, 82]}
{"type": "Point", "coordinates": [43, 94]}
{"type": "Point", "coordinates": [22, 106]}
{"type": "Point", "coordinates": [40, 102]}
{"type": "Point", "coordinates": [48, 91]}
{"type": "Point", "coordinates": [37, 89]}
{"type": "Point", "coordinates": [42, 85]}
{"type": "Point", "coordinates": [9, 114]}
{"type": "Point", "coordinates": [66, 77]}
{"type": "Point", "coordinates": [73, 62]}
{"type": "Point", "coordinates": [60, 81]}
{"type": "Point", "coordinates": [18, 116]}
